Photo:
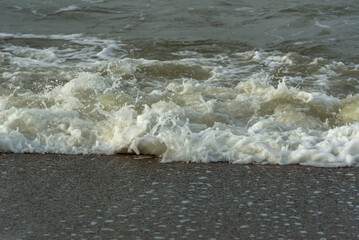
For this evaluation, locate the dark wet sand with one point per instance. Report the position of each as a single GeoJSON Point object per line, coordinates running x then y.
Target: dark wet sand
{"type": "Point", "coordinates": [114, 197]}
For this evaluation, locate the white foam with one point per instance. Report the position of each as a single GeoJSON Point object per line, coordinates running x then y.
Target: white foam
{"type": "Point", "coordinates": [320, 25]}
{"type": "Point", "coordinates": [68, 9]}
{"type": "Point", "coordinates": [83, 50]}
{"type": "Point", "coordinates": [108, 52]}
{"type": "Point", "coordinates": [54, 36]}
{"type": "Point", "coordinates": [233, 108]}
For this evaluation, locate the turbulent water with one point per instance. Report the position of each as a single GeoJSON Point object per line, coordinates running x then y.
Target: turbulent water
{"type": "Point", "coordinates": [202, 81]}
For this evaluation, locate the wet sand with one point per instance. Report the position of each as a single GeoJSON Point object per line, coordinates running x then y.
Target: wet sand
{"type": "Point", "coordinates": [130, 197]}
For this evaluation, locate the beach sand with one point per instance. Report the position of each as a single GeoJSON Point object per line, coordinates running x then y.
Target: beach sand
{"type": "Point", "coordinates": [136, 197]}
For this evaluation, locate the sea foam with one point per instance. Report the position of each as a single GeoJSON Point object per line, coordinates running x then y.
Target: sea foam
{"type": "Point", "coordinates": [247, 107]}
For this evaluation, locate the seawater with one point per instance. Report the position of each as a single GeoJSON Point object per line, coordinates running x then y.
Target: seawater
{"type": "Point", "coordinates": [194, 81]}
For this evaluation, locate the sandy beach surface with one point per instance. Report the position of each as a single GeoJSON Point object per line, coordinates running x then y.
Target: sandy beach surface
{"type": "Point", "coordinates": [136, 197]}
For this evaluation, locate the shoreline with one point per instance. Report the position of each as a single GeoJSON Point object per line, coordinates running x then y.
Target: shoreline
{"type": "Point", "coordinates": [46, 196]}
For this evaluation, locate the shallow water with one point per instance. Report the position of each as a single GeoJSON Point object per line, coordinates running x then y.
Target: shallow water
{"type": "Point", "coordinates": [244, 81]}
